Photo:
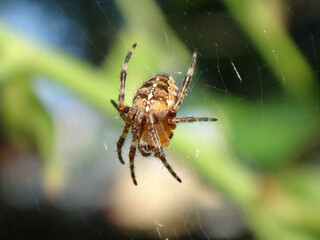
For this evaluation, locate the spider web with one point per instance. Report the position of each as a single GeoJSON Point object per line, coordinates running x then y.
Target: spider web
{"type": "Point", "coordinates": [99, 200]}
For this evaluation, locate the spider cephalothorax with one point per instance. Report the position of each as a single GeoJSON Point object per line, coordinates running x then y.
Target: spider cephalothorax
{"type": "Point", "coordinates": [152, 116]}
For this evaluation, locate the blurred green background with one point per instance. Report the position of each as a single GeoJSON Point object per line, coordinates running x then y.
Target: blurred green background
{"type": "Point", "coordinates": [257, 72]}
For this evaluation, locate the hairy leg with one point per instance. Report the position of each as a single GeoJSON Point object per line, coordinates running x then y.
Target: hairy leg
{"type": "Point", "coordinates": [185, 83]}
{"type": "Point", "coordinates": [159, 153]}
{"type": "Point", "coordinates": [121, 141]}
{"type": "Point", "coordinates": [192, 119]}
{"type": "Point", "coordinates": [122, 113]}
{"type": "Point", "coordinates": [123, 76]}
{"type": "Point", "coordinates": [136, 127]}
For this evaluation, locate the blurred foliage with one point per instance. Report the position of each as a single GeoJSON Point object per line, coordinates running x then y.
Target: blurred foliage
{"type": "Point", "coordinates": [253, 162]}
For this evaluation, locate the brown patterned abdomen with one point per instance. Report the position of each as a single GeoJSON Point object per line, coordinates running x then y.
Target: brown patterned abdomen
{"type": "Point", "coordinates": [156, 95]}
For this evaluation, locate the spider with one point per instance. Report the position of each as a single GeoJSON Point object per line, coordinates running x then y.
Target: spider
{"type": "Point", "coordinates": [153, 114]}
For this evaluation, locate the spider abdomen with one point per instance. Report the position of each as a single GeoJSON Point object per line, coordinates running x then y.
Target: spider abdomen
{"type": "Point", "coordinates": [156, 96]}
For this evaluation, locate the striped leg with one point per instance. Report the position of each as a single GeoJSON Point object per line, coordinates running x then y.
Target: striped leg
{"type": "Point", "coordinates": [192, 119]}
{"type": "Point", "coordinates": [135, 137]}
{"type": "Point", "coordinates": [162, 157]}
{"type": "Point", "coordinates": [122, 113]}
{"type": "Point", "coordinates": [123, 76]}
{"type": "Point", "coordinates": [121, 141]}
{"type": "Point", "coordinates": [160, 153]}
{"type": "Point", "coordinates": [186, 82]}
{"type": "Point", "coordinates": [132, 153]}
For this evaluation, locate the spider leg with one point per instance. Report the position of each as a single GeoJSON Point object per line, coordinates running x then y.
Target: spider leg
{"type": "Point", "coordinates": [160, 154]}
{"type": "Point", "coordinates": [192, 119]}
{"type": "Point", "coordinates": [132, 153]}
{"type": "Point", "coordinates": [123, 76]}
{"type": "Point", "coordinates": [186, 82]}
{"type": "Point", "coordinates": [123, 136]}
{"type": "Point", "coordinates": [136, 127]}
{"type": "Point", "coordinates": [122, 113]}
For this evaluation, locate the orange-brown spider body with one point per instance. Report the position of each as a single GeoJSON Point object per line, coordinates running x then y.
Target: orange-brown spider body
{"type": "Point", "coordinates": [152, 116]}
{"type": "Point", "coordinates": [157, 96]}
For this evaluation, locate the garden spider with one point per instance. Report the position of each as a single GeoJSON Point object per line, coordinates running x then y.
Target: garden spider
{"type": "Point", "coordinates": [153, 114]}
